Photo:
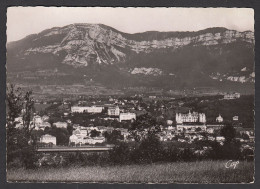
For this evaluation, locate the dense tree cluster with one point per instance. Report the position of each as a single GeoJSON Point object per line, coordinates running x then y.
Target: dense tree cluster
{"type": "Point", "coordinates": [151, 150]}
{"type": "Point", "coordinates": [114, 137]}
{"type": "Point", "coordinates": [20, 142]}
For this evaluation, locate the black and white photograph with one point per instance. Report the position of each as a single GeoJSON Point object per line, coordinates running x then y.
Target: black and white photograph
{"type": "Point", "coordinates": [130, 95]}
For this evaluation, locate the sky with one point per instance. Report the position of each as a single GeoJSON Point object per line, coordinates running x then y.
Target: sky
{"type": "Point", "coordinates": [23, 21]}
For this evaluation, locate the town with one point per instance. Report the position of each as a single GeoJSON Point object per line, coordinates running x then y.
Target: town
{"type": "Point", "coordinates": [105, 121]}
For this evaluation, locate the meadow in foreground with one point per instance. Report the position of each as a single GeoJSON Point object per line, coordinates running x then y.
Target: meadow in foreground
{"type": "Point", "coordinates": [178, 172]}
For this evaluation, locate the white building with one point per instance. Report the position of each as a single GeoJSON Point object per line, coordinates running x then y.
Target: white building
{"type": "Point", "coordinates": [61, 124]}
{"type": "Point", "coordinates": [169, 122]}
{"type": "Point", "coordinates": [45, 118]}
{"type": "Point", "coordinates": [235, 118]}
{"type": "Point", "coordinates": [78, 109]}
{"type": "Point", "coordinates": [219, 119]}
{"type": "Point", "coordinates": [220, 138]}
{"type": "Point", "coordinates": [113, 111]}
{"type": "Point", "coordinates": [190, 117]}
{"type": "Point", "coordinates": [126, 134]}
{"type": "Point", "coordinates": [18, 119]}
{"type": "Point", "coordinates": [95, 109]}
{"type": "Point", "coordinates": [96, 140]}
{"type": "Point", "coordinates": [86, 140]}
{"type": "Point", "coordinates": [73, 139]}
{"type": "Point", "coordinates": [191, 122]}
{"type": "Point", "coordinates": [211, 138]}
{"type": "Point", "coordinates": [101, 129]}
{"type": "Point", "coordinates": [48, 139]}
{"type": "Point", "coordinates": [191, 128]}
{"type": "Point", "coordinates": [80, 132]}
{"type": "Point", "coordinates": [211, 128]}
{"type": "Point", "coordinates": [230, 96]}
{"type": "Point", "coordinates": [171, 127]}
{"type": "Point", "coordinates": [19, 125]}
{"type": "Point", "coordinates": [88, 109]}
{"type": "Point", "coordinates": [18, 122]}
{"type": "Point", "coordinates": [37, 120]}
{"type": "Point", "coordinates": [44, 125]}
{"type": "Point", "coordinates": [127, 116]}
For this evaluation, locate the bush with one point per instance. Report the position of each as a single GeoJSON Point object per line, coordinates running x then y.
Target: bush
{"type": "Point", "coordinates": [15, 163]}
{"type": "Point", "coordinates": [186, 155]}
{"type": "Point", "coordinates": [120, 154]}
{"type": "Point", "coordinates": [247, 154]}
{"type": "Point", "coordinates": [150, 150]}
{"type": "Point", "coordinates": [229, 150]}
{"type": "Point", "coordinates": [29, 157]}
{"type": "Point", "coordinates": [171, 154]}
{"type": "Point", "coordinates": [91, 159]}
{"type": "Point", "coordinates": [229, 132]}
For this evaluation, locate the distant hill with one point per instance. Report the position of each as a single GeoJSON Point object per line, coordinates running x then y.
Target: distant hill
{"type": "Point", "coordinates": [214, 57]}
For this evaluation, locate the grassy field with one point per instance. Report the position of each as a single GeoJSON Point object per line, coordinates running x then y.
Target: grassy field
{"type": "Point", "coordinates": [184, 172]}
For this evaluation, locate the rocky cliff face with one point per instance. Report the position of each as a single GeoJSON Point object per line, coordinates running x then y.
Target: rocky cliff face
{"type": "Point", "coordinates": [218, 53]}
{"type": "Point", "coordinates": [86, 43]}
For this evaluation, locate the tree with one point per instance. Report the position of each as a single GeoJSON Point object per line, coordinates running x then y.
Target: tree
{"type": "Point", "coordinates": [247, 154]}
{"type": "Point", "coordinates": [70, 129]}
{"type": "Point", "coordinates": [142, 124]}
{"type": "Point", "coordinates": [28, 115]}
{"type": "Point", "coordinates": [47, 130]}
{"type": "Point", "coordinates": [228, 132]}
{"type": "Point", "coordinates": [231, 147]}
{"type": "Point", "coordinates": [20, 142]}
{"type": "Point", "coordinates": [186, 155]}
{"type": "Point", "coordinates": [120, 154]}
{"type": "Point", "coordinates": [114, 137]}
{"type": "Point", "coordinates": [171, 152]}
{"type": "Point", "coordinates": [61, 134]}
{"type": "Point", "coordinates": [150, 149]}
{"type": "Point", "coordinates": [94, 133]}
{"type": "Point", "coordinates": [245, 136]}
{"type": "Point", "coordinates": [14, 108]}
{"type": "Point", "coordinates": [216, 152]}
{"type": "Point", "coordinates": [231, 150]}
{"type": "Point", "coordinates": [36, 134]}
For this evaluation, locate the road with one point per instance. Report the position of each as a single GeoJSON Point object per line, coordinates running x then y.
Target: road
{"type": "Point", "coordinates": [75, 149]}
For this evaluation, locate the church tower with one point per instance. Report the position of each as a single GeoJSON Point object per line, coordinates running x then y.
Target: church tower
{"type": "Point", "coordinates": [179, 118]}
{"type": "Point", "coordinates": [202, 118]}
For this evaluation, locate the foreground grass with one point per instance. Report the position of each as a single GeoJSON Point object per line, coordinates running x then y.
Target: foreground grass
{"type": "Point", "coordinates": [179, 172]}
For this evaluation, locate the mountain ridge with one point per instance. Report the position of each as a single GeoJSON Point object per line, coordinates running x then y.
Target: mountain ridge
{"type": "Point", "coordinates": [214, 29]}
{"type": "Point", "coordinates": [213, 54]}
